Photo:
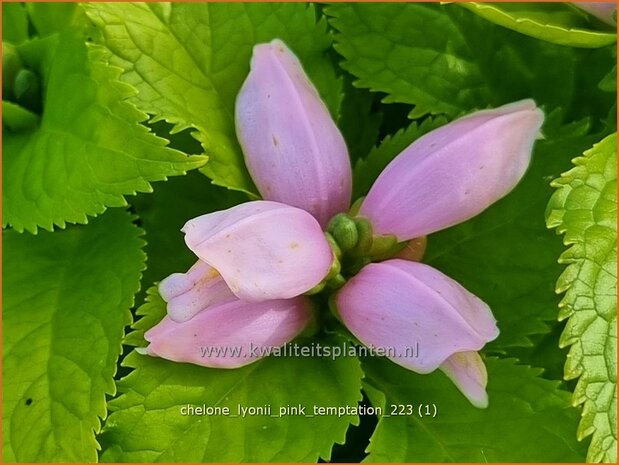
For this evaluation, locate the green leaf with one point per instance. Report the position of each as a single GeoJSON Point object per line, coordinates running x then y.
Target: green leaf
{"type": "Point", "coordinates": [188, 60]}
{"type": "Point", "coordinates": [164, 212]}
{"type": "Point", "coordinates": [509, 248]}
{"type": "Point", "coordinates": [17, 118]}
{"type": "Point", "coordinates": [89, 149]}
{"type": "Point", "coordinates": [49, 18]}
{"type": "Point", "coordinates": [358, 123]}
{"type": "Point", "coordinates": [14, 23]}
{"type": "Point", "coordinates": [584, 209]}
{"type": "Point", "coordinates": [443, 59]}
{"type": "Point", "coordinates": [609, 82]}
{"type": "Point", "coordinates": [147, 426]}
{"type": "Point", "coordinates": [366, 170]}
{"type": "Point", "coordinates": [546, 354]}
{"type": "Point", "coordinates": [528, 419]}
{"type": "Point", "coordinates": [65, 306]}
{"type": "Point", "coordinates": [558, 23]}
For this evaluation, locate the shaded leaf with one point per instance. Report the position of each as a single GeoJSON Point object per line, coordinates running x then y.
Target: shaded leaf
{"type": "Point", "coordinates": [357, 121]}
{"type": "Point", "coordinates": [528, 418]}
{"type": "Point", "coordinates": [17, 118]}
{"type": "Point", "coordinates": [444, 59]}
{"type": "Point", "coordinates": [14, 23]}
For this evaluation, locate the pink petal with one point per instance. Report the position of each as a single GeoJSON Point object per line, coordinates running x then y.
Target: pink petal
{"type": "Point", "coordinates": [399, 305]}
{"type": "Point", "coordinates": [293, 149]}
{"type": "Point", "coordinates": [468, 372]}
{"type": "Point", "coordinates": [263, 250]}
{"type": "Point", "coordinates": [189, 293]}
{"type": "Point", "coordinates": [455, 172]}
{"type": "Point", "coordinates": [225, 335]}
{"type": "Point", "coordinates": [604, 11]}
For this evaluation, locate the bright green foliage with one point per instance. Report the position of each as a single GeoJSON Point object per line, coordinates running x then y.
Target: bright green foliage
{"type": "Point", "coordinates": [66, 300]}
{"type": "Point", "coordinates": [49, 18]}
{"type": "Point", "coordinates": [444, 59]}
{"type": "Point", "coordinates": [528, 419]}
{"type": "Point", "coordinates": [146, 424]}
{"type": "Point", "coordinates": [366, 170]}
{"type": "Point", "coordinates": [164, 212]}
{"type": "Point", "coordinates": [88, 150]}
{"type": "Point", "coordinates": [559, 23]}
{"type": "Point", "coordinates": [584, 209]}
{"type": "Point", "coordinates": [14, 23]}
{"type": "Point", "coordinates": [188, 61]}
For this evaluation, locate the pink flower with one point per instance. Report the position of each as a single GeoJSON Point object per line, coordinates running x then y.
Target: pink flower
{"type": "Point", "coordinates": [257, 259]}
{"type": "Point", "coordinates": [468, 372]}
{"type": "Point", "coordinates": [254, 255]}
{"type": "Point", "coordinates": [454, 172]}
{"type": "Point", "coordinates": [231, 333]}
{"type": "Point", "coordinates": [263, 250]}
{"type": "Point", "coordinates": [446, 177]}
{"type": "Point", "coordinates": [293, 149]}
{"type": "Point", "coordinates": [399, 303]}
{"type": "Point", "coordinates": [187, 294]}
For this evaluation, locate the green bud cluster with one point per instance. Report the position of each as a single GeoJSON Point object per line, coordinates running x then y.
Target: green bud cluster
{"type": "Point", "coordinates": [334, 278]}
{"type": "Point", "coordinates": [354, 245]}
{"type": "Point", "coordinates": [355, 238]}
{"type": "Point", "coordinates": [19, 84]}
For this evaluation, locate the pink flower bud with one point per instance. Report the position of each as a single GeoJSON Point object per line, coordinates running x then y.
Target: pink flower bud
{"type": "Point", "coordinates": [454, 172]}
{"type": "Point", "coordinates": [230, 334]}
{"type": "Point", "coordinates": [468, 372]}
{"type": "Point", "coordinates": [189, 293]}
{"type": "Point", "coordinates": [263, 250]}
{"type": "Point", "coordinates": [293, 149]}
{"type": "Point", "coordinates": [399, 305]}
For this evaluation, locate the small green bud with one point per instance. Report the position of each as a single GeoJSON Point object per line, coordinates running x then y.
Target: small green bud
{"type": "Point", "coordinates": [384, 247]}
{"type": "Point", "coordinates": [334, 246]}
{"type": "Point", "coordinates": [344, 231]}
{"type": "Point", "coordinates": [364, 237]}
{"type": "Point", "coordinates": [335, 269]}
{"type": "Point", "coordinates": [11, 64]}
{"type": "Point", "coordinates": [27, 90]}
{"type": "Point", "coordinates": [317, 288]}
{"type": "Point", "coordinates": [336, 282]}
{"type": "Point", "coordinates": [26, 87]}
